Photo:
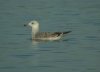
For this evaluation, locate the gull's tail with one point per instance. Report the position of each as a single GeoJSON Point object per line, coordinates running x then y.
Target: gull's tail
{"type": "Point", "coordinates": [67, 32]}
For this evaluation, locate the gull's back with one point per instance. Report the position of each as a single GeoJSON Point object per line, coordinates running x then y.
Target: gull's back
{"type": "Point", "coordinates": [50, 35]}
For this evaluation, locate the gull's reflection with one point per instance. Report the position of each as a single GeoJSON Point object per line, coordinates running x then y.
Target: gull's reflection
{"type": "Point", "coordinates": [36, 42]}
{"type": "Point", "coordinates": [34, 60]}
{"type": "Point", "coordinates": [35, 47]}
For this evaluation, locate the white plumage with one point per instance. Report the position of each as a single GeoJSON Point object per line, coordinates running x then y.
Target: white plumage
{"type": "Point", "coordinates": [36, 35]}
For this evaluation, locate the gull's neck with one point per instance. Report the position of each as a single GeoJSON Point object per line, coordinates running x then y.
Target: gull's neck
{"type": "Point", "coordinates": [34, 32]}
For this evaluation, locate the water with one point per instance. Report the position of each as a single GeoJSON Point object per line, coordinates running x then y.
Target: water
{"type": "Point", "coordinates": [78, 51]}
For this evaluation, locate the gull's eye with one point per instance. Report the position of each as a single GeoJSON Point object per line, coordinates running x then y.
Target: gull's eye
{"type": "Point", "coordinates": [32, 23]}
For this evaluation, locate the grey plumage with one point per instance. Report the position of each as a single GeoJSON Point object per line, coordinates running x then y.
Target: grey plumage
{"type": "Point", "coordinates": [36, 35]}
{"type": "Point", "coordinates": [50, 34]}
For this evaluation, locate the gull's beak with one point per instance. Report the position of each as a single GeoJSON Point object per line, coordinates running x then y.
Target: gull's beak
{"type": "Point", "coordinates": [25, 25]}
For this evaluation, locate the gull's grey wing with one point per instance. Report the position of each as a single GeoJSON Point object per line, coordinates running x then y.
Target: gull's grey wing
{"type": "Point", "coordinates": [45, 34]}
{"type": "Point", "coordinates": [50, 34]}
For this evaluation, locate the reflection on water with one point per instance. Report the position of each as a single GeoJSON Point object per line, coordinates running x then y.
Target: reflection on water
{"type": "Point", "coordinates": [35, 43]}
{"type": "Point", "coordinates": [78, 51]}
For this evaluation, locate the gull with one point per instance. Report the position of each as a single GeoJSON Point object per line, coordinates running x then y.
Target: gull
{"type": "Point", "coordinates": [37, 35]}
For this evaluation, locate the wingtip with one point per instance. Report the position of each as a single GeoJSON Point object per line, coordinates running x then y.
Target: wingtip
{"type": "Point", "coordinates": [67, 32]}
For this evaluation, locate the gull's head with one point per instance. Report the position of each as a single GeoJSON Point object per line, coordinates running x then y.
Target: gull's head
{"type": "Point", "coordinates": [34, 24]}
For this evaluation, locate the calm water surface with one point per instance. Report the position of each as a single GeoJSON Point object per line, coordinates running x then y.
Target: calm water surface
{"type": "Point", "coordinates": [77, 52]}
